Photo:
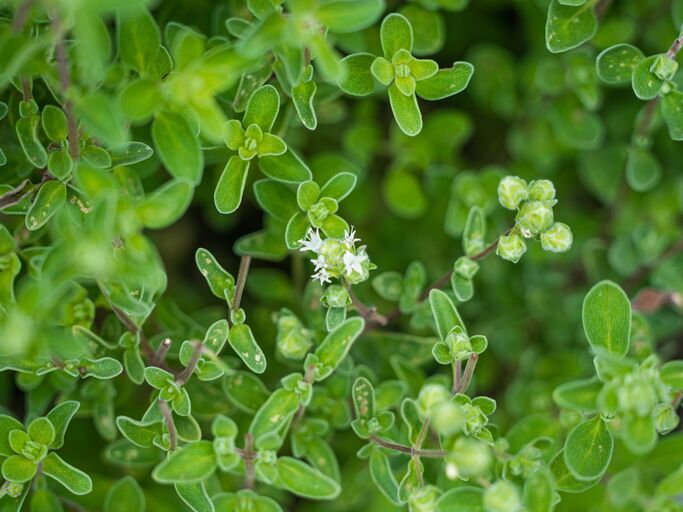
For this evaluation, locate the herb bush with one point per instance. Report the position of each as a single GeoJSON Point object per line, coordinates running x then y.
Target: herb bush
{"type": "Point", "coordinates": [341, 255]}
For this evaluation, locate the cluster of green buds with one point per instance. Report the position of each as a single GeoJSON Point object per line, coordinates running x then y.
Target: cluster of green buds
{"type": "Point", "coordinates": [534, 203]}
{"type": "Point", "coordinates": [458, 346]}
{"type": "Point", "coordinates": [338, 258]}
{"type": "Point", "coordinates": [641, 398]}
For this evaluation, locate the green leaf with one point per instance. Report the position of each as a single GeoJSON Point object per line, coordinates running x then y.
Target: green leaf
{"type": "Point", "coordinates": [178, 146]}
{"type": "Point", "coordinates": [166, 204]}
{"type": "Point", "coordinates": [539, 492]}
{"type": "Point", "coordinates": [396, 34]}
{"type": "Point", "coordinates": [615, 64]}
{"type": "Point", "coordinates": [445, 313]}
{"type": "Point", "coordinates": [564, 479]}
{"type": "Point", "coordinates": [307, 194]}
{"type": "Point", "coordinates": [461, 499]}
{"type": "Point", "coordinates": [34, 151]}
{"type": "Point", "coordinates": [129, 153]}
{"type": "Point", "coordinates": [140, 99]}
{"type": "Point", "coordinates": [60, 416]}
{"type": "Point", "coordinates": [262, 108]}
{"type": "Point", "coordinates": [569, 26]}
{"type": "Point", "coordinates": [54, 123]}
{"type": "Point", "coordinates": [580, 395]}
{"type": "Point", "coordinates": [296, 230]}
{"type": "Point", "coordinates": [17, 468]}
{"type": "Point", "coordinates": [275, 413]}
{"type": "Point", "coordinates": [243, 343]}
{"type": "Point", "coordinates": [303, 480]}
{"type": "Point", "coordinates": [339, 186]}
{"type": "Point", "coordinates": [446, 82]}
{"type": "Point", "coordinates": [102, 117]}
{"type": "Point", "coordinates": [125, 496]}
{"type": "Point", "coordinates": [7, 424]}
{"type": "Point", "coordinates": [358, 79]}
{"type": "Point", "coordinates": [246, 391]}
{"type": "Point", "coordinates": [383, 476]}
{"type": "Point", "coordinates": [191, 463]}
{"type": "Point", "coordinates": [43, 500]}
{"type": "Point", "coordinates": [275, 198]}
{"type": "Point", "coordinates": [50, 198]}
{"type": "Point", "coordinates": [643, 170]}
{"type": "Point", "coordinates": [70, 477]}
{"type": "Point", "coordinates": [41, 431]}
{"type": "Point", "coordinates": [342, 16]}
{"type": "Point", "coordinates": [287, 167]}
{"type": "Point", "coordinates": [139, 433]}
{"type": "Point", "coordinates": [220, 281]}
{"type": "Point", "coordinates": [428, 29]}
{"type": "Point", "coordinates": [406, 111]}
{"type": "Point", "coordinates": [230, 187]}
{"type": "Point", "coordinates": [195, 496]}
{"type": "Point", "coordinates": [606, 316]}
{"type": "Point", "coordinates": [645, 83]}
{"type": "Point", "coordinates": [588, 449]}
{"type": "Point", "coordinates": [333, 349]}
{"type": "Point", "coordinates": [264, 245]}
{"type": "Point", "coordinates": [302, 97]}
{"type": "Point", "coordinates": [138, 39]}
{"type": "Point", "coordinates": [672, 112]}
{"type": "Point", "coordinates": [639, 433]}
{"type": "Point", "coordinates": [671, 374]}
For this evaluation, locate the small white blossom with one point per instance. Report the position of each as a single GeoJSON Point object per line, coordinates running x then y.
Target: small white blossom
{"type": "Point", "coordinates": [312, 242]}
{"type": "Point", "coordinates": [319, 262]}
{"type": "Point", "coordinates": [353, 262]}
{"type": "Point", "coordinates": [350, 237]}
{"type": "Point", "coordinates": [322, 275]}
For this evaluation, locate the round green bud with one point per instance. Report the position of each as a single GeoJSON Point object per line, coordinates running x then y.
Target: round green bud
{"type": "Point", "coordinates": [466, 267]}
{"type": "Point", "coordinates": [318, 213]}
{"type": "Point", "coordinates": [535, 217]}
{"type": "Point", "coordinates": [511, 247]}
{"type": "Point", "coordinates": [502, 496]}
{"type": "Point", "coordinates": [664, 67]}
{"type": "Point", "coordinates": [14, 489]}
{"type": "Point", "coordinates": [424, 499]}
{"type": "Point", "coordinates": [447, 418]}
{"type": "Point", "coordinates": [333, 251]}
{"type": "Point", "coordinates": [541, 190]}
{"type": "Point", "coordinates": [666, 418]}
{"type": "Point", "coordinates": [238, 316]}
{"type": "Point", "coordinates": [468, 457]}
{"type": "Point", "coordinates": [431, 397]}
{"type": "Point", "coordinates": [336, 296]}
{"type": "Point", "coordinates": [558, 238]}
{"type": "Point", "coordinates": [458, 344]}
{"type": "Point", "coordinates": [512, 190]}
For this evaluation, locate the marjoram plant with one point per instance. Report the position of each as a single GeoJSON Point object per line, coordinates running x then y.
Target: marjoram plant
{"type": "Point", "coordinates": [341, 255]}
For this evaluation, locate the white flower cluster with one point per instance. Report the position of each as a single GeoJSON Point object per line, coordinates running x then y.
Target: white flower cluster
{"type": "Point", "coordinates": [337, 258]}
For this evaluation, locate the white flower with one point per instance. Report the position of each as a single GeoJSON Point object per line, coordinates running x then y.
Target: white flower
{"type": "Point", "coordinates": [319, 262]}
{"type": "Point", "coordinates": [353, 262]}
{"type": "Point", "coordinates": [350, 237]}
{"type": "Point", "coordinates": [312, 242]}
{"type": "Point", "coordinates": [322, 275]}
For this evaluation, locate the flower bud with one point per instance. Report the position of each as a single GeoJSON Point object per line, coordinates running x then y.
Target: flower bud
{"type": "Point", "coordinates": [424, 499]}
{"type": "Point", "coordinates": [502, 496]}
{"type": "Point", "coordinates": [431, 397]}
{"type": "Point", "coordinates": [511, 247]}
{"type": "Point", "coordinates": [466, 267]}
{"type": "Point", "coordinates": [336, 296]}
{"type": "Point", "coordinates": [447, 418]}
{"type": "Point", "coordinates": [458, 344]}
{"type": "Point", "coordinates": [557, 239]}
{"type": "Point", "coordinates": [468, 457]}
{"type": "Point", "coordinates": [292, 340]}
{"type": "Point", "coordinates": [666, 418]}
{"type": "Point", "coordinates": [535, 216]}
{"type": "Point", "coordinates": [541, 190]}
{"type": "Point", "coordinates": [664, 67]}
{"type": "Point", "coordinates": [512, 190]}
